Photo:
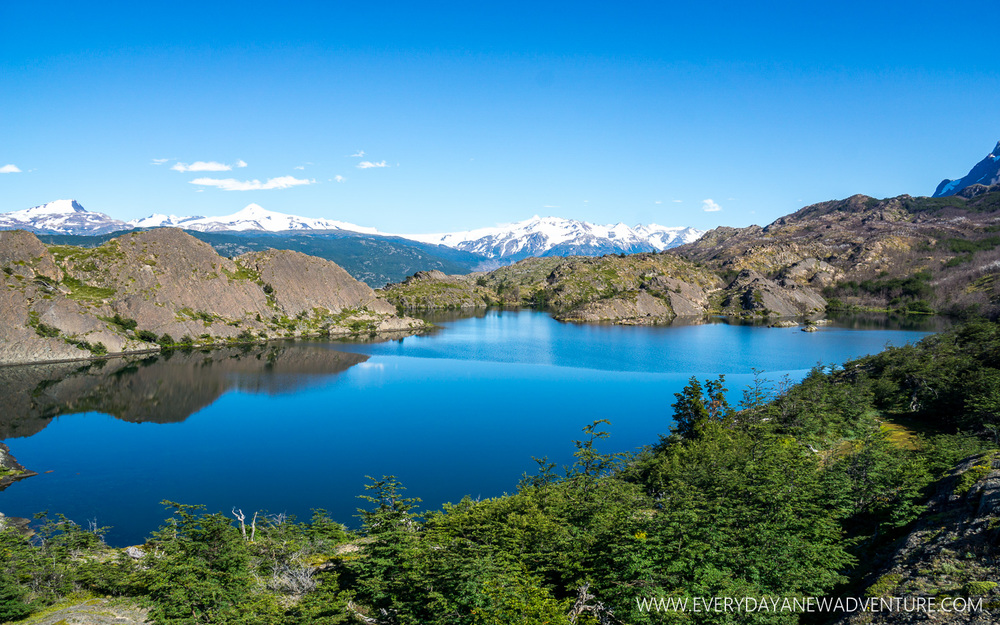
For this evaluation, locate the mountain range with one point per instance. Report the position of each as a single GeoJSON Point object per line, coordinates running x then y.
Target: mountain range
{"type": "Point", "coordinates": [553, 236]}
{"type": "Point", "coordinates": [549, 236]}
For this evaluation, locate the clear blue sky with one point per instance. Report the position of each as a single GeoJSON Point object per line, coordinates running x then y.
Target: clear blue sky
{"type": "Point", "coordinates": [492, 112]}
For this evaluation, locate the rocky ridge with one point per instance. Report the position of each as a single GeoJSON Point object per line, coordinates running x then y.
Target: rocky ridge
{"type": "Point", "coordinates": [637, 289]}
{"type": "Point", "coordinates": [861, 250]}
{"type": "Point", "coordinates": [145, 290]}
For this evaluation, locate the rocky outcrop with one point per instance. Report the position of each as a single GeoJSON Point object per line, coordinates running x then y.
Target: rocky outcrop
{"type": "Point", "coordinates": [953, 552]}
{"type": "Point", "coordinates": [752, 293]}
{"type": "Point", "coordinates": [639, 308]}
{"type": "Point", "coordinates": [10, 469]}
{"type": "Point", "coordinates": [144, 289]}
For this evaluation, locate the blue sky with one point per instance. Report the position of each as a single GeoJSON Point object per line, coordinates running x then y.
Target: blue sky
{"type": "Point", "coordinates": [471, 114]}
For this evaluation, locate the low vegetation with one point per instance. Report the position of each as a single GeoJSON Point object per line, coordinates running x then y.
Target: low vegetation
{"type": "Point", "coordinates": [794, 491]}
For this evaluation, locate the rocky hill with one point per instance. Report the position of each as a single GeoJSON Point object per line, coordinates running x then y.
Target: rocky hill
{"type": "Point", "coordinates": [913, 253]}
{"type": "Point", "coordinates": [146, 290]}
{"type": "Point", "coordinates": [625, 289]}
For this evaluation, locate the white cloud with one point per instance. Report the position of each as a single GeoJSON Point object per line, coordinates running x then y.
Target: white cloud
{"type": "Point", "coordinates": [549, 206]}
{"type": "Point", "coordinates": [358, 154]}
{"type": "Point", "coordinates": [159, 161]}
{"type": "Point", "coordinates": [370, 165]}
{"type": "Point", "coordinates": [677, 201]}
{"type": "Point", "coordinates": [204, 166]}
{"type": "Point", "coordinates": [658, 202]}
{"type": "Point", "coordinates": [232, 184]}
{"type": "Point", "coordinates": [709, 206]}
{"type": "Point", "coordinates": [10, 169]}
{"type": "Point", "coordinates": [339, 178]}
{"type": "Point", "coordinates": [299, 167]}
{"type": "Point", "coordinates": [241, 163]}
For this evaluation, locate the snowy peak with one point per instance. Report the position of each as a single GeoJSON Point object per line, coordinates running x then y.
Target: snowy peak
{"type": "Point", "coordinates": [60, 217]}
{"type": "Point", "coordinates": [251, 218]}
{"type": "Point", "coordinates": [59, 207]}
{"type": "Point", "coordinates": [554, 236]}
{"type": "Point", "coordinates": [986, 172]}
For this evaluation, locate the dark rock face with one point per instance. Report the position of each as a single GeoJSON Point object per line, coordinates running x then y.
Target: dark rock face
{"type": "Point", "coordinates": [952, 551]}
{"type": "Point", "coordinates": [986, 172]}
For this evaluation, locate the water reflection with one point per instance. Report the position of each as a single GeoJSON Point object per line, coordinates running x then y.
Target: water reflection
{"type": "Point", "coordinates": [160, 388]}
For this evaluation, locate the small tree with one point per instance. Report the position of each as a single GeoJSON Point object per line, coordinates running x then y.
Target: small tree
{"type": "Point", "coordinates": [696, 403]}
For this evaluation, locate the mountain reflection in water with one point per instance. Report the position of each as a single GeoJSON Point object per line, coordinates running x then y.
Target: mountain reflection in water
{"type": "Point", "coordinates": [160, 388]}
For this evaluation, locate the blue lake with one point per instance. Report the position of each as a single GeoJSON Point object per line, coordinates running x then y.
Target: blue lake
{"type": "Point", "coordinates": [293, 426]}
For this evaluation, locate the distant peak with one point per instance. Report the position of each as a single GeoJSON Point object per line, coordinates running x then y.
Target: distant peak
{"type": "Point", "coordinates": [60, 206]}
{"type": "Point", "coordinates": [253, 209]}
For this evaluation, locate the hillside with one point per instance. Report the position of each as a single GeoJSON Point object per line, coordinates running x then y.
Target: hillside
{"type": "Point", "coordinates": [163, 287]}
{"type": "Point", "coordinates": [907, 253]}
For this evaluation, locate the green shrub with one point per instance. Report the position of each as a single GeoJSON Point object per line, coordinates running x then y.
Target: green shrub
{"type": "Point", "coordinates": [146, 335]}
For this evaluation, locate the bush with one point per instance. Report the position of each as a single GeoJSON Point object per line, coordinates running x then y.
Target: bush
{"type": "Point", "coordinates": [47, 331]}
{"type": "Point", "coordinates": [123, 322]}
{"type": "Point", "coordinates": [146, 335]}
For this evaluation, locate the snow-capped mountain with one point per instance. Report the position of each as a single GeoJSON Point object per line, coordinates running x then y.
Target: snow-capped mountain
{"type": "Point", "coordinates": [252, 218]}
{"type": "Point", "coordinates": [549, 236]}
{"type": "Point", "coordinates": [60, 217]}
{"type": "Point", "coordinates": [986, 171]}
{"type": "Point", "coordinates": [554, 236]}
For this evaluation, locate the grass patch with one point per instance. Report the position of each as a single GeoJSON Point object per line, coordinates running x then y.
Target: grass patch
{"type": "Point", "coordinates": [902, 436]}
{"type": "Point", "coordinates": [78, 290]}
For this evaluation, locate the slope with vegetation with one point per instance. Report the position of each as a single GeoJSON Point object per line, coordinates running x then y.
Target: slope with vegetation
{"type": "Point", "coordinates": [916, 254]}
{"type": "Point", "coordinates": [163, 287]}
{"type": "Point", "coordinates": [817, 489]}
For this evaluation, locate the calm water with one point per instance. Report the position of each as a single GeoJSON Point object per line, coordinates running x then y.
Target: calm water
{"type": "Point", "coordinates": [294, 426]}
